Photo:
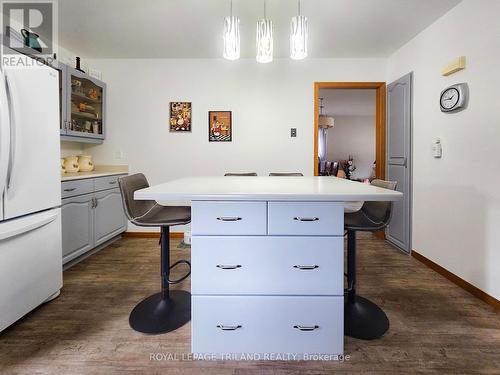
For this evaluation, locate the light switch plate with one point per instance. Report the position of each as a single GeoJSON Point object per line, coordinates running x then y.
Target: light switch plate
{"type": "Point", "coordinates": [293, 132]}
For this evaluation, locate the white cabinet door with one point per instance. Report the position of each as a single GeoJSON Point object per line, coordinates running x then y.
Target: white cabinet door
{"type": "Point", "coordinates": [34, 173]}
{"type": "Point", "coordinates": [267, 324]}
{"type": "Point", "coordinates": [267, 265]}
{"type": "Point", "coordinates": [109, 218]}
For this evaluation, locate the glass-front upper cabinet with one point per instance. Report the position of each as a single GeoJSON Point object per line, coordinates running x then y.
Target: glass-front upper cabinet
{"type": "Point", "coordinates": [84, 108]}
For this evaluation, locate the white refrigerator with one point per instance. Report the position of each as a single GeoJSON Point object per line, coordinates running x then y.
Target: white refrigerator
{"type": "Point", "coordinates": [30, 214]}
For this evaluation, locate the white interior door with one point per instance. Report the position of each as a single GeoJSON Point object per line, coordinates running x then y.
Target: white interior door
{"type": "Point", "coordinates": [399, 162]}
{"type": "Point", "coordinates": [33, 180]}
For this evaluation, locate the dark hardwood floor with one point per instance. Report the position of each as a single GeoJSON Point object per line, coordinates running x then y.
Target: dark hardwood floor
{"type": "Point", "coordinates": [436, 327]}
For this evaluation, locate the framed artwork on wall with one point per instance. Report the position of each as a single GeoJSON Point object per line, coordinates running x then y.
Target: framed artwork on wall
{"type": "Point", "coordinates": [180, 116]}
{"type": "Point", "coordinates": [220, 127]}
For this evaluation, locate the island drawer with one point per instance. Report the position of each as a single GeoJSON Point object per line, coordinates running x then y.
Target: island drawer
{"type": "Point", "coordinates": [267, 324]}
{"type": "Point", "coordinates": [306, 218]}
{"type": "Point", "coordinates": [267, 265]}
{"type": "Point", "coordinates": [105, 183]}
{"type": "Point", "coordinates": [228, 218]}
{"type": "Point", "coordinates": [77, 187]}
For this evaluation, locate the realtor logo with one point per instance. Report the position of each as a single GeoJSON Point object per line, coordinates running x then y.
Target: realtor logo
{"type": "Point", "coordinates": [28, 27]}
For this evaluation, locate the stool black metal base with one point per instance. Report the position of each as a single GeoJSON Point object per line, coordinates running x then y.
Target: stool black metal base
{"type": "Point", "coordinates": [168, 310]}
{"type": "Point", "coordinates": [364, 320]}
{"type": "Point", "coordinates": [158, 314]}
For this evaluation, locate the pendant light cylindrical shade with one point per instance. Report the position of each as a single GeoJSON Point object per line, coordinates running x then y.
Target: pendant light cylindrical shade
{"type": "Point", "coordinates": [264, 41]}
{"type": "Point", "coordinates": [231, 38]}
{"type": "Point", "coordinates": [298, 38]}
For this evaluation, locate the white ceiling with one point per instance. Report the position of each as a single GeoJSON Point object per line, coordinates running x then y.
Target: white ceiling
{"type": "Point", "coordinates": [346, 102]}
{"type": "Point", "coordinates": [193, 28]}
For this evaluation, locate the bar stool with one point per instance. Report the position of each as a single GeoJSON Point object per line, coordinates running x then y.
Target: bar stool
{"type": "Point", "coordinates": [241, 174]}
{"type": "Point", "coordinates": [363, 319]}
{"type": "Point", "coordinates": [286, 174]}
{"type": "Point", "coordinates": [169, 309]}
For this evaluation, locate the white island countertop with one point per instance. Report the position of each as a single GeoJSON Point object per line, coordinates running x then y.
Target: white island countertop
{"type": "Point", "coordinates": [266, 189]}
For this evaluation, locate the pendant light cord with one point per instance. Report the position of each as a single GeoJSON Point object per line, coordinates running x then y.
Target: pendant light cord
{"type": "Point", "coordinates": [298, 6]}
{"type": "Point", "coordinates": [231, 8]}
{"type": "Point", "coordinates": [265, 10]}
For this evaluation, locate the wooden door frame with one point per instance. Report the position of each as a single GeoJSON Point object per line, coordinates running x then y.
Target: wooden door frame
{"type": "Point", "coordinates": [380, 126]}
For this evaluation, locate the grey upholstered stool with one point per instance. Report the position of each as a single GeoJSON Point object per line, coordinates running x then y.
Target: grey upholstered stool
{"type": "Point", "coordinates": [362, 318]}
{"type": "Point", "coordinates": [241, 174]}
{"type": "Point", "coordinates": [168, 310]}
{"type": "Point", "coordinates": [285, 174]}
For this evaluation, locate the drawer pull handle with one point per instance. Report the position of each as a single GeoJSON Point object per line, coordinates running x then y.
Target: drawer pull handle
{"type": "Point", "coordinates": [228, 328]}
{"type": "Point", "coordinates": [305, 328]}
{"type": "Point", "coordinates": [306, 218]}
{"type": "Point", "coordinates": [229, 218]}
{"type": "Point", "coordinates": [306, 267]}
{"type": "Point", "coordinates": [112, 182]}
{"type": "Point", "coordinates": [228, 267]}
{"type": "Point", "coordinates": [72, 189]}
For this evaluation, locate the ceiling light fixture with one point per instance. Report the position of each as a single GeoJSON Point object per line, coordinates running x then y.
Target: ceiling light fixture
{"type": "Point", "coordinates": [264, 39]}
{"type": "Point", "coordinates": [231, 36]}
{"type": "Point", "coordinates": [298, 36]}
{"type": "Point", "coordinates": [324, 121]}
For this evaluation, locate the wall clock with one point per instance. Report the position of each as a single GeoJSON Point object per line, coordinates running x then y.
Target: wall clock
{"type": "Point", "coordinates": [454, 98]}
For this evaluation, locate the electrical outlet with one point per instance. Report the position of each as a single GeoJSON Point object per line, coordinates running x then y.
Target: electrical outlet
{"type": "Point", "coordinates": [293, 132]}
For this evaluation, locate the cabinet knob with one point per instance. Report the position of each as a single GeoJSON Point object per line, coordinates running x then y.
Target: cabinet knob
{"type": "Point", "coordinates": [305, 328]}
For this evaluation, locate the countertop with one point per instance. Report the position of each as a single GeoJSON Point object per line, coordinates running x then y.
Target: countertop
{"type": "Point", "coordinates": [99, 171]}
{"type": "Point", "coordinates": [266, 189]}
{"type": "Point", "coordinates": [83, 175]}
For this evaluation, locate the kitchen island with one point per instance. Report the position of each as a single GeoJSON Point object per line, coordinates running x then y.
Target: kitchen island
{"type": "Point", "coordinates": [267, 262]}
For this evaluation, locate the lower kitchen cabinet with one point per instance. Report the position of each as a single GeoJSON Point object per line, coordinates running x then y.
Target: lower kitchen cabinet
{"type": "Point", "coordinates": [77, 226]}
{"type": "Point", "coordinates": [91, 219]}
{"type": "Point", "coordinates": [109, 219]}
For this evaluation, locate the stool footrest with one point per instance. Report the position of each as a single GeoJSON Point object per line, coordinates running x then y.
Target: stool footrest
{"type": "Point", "coordinates": [177, 281]}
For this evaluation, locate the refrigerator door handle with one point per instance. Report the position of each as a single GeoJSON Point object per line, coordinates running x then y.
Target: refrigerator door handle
{"type": "Point", "coordinates": [12, 111]}
{"type": "Point", "coordinates": [4, 134]}
{"type": "Point", "coordinates": [12, 231]}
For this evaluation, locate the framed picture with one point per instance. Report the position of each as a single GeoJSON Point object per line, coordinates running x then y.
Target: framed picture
{"type": "Point", "coordinates": [220, 126]}
{"type": "Point", "coordinates": [180, 116]}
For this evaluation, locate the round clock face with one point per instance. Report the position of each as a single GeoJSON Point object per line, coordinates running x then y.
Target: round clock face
{"type": "Point", "coordinates": [449, 98]}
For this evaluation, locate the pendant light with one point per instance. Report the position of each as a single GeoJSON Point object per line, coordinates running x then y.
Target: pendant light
{"type": "Point", "coordinates": [324, 121]}
{"type": "Point", "coordinates": [298, 36]}
{"type": "Point", "coordinates": [231, 36]}
{"type": "Point", "coordinates": [264, 39]}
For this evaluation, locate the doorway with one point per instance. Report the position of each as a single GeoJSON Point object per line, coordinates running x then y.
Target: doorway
{"type": "Point", "coordinates": [380, 92]}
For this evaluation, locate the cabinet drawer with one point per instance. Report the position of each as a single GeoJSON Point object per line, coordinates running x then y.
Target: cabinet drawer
{"type": "Point", "coordinates": [104, 183]}
{"type": "Point", "coordinates": [267, 265]}
{"type": "Point", "coordinates": [78, 187]}
{"type": "Point", "coordinates": [253, 324]}
{"type": "Point", "coordinates": [306, 218]}
{"type": "Point", "coordinates": [229, 218]}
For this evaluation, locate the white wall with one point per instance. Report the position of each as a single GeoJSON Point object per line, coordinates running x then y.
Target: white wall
{"type": "Point", "coordinates": [266, 99]}
{"type": "Point", "coordinates": [456, 205]}
{"type": "Point", "coordinates": [353, 135]}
